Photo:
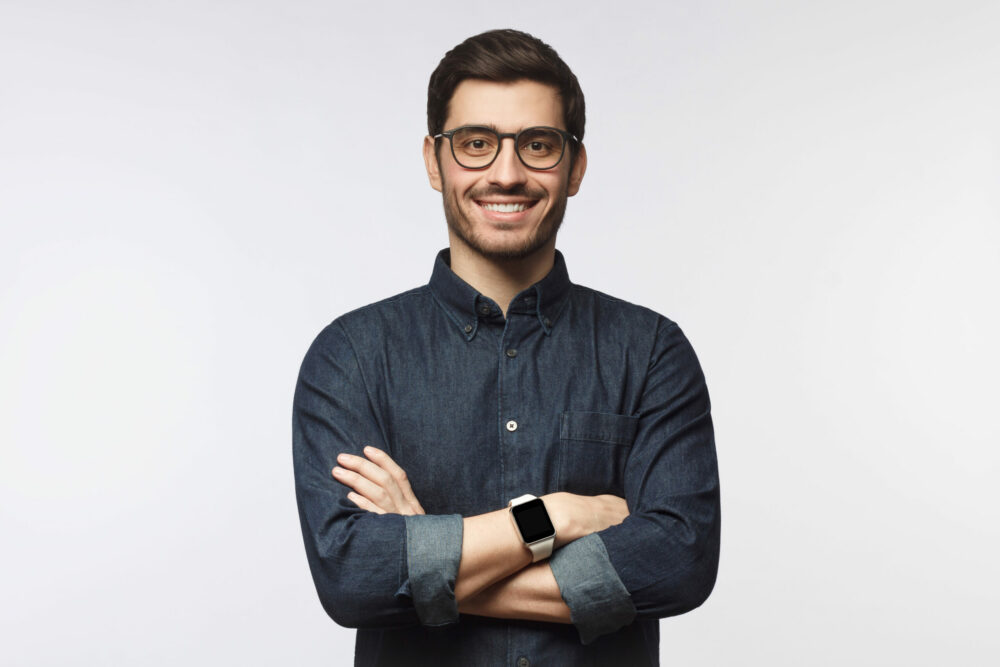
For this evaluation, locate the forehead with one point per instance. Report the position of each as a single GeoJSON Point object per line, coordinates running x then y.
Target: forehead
{"type": "Point", "coordinates": [507, 106]}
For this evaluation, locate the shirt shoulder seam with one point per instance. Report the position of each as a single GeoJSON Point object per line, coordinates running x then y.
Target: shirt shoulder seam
{"type": "Point", "coordinates": [415, 292]}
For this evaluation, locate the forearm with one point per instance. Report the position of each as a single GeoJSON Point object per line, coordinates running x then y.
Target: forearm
{"type": "Point", "coordinates": [477, 564]}
{"type": "Point", "coordinates": [492, 550]}
{"type": "Point", "coordinates": [530, 594]}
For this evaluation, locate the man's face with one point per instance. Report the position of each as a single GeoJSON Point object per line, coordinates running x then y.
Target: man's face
{"type": "Point", "coordinates": [472, 196]}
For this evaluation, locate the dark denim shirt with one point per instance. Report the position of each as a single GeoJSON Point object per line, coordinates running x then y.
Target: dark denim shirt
{"type": "Point", "coordinates": [573, 391]}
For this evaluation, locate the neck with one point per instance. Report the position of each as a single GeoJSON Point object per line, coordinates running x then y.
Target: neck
{"type": "Point", "coordinates": [501, 279]}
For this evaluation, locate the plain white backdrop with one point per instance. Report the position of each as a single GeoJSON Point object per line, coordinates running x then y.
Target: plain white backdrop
{"type": "Point", "coordinates": [190, 191]}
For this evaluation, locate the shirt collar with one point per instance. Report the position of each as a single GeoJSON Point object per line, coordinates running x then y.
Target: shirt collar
{"type": "Point", "coordinates": [466, 307]}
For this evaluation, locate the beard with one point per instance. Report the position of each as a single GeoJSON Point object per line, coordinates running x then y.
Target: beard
{"type": "Point", "coordinates": [461, 226]}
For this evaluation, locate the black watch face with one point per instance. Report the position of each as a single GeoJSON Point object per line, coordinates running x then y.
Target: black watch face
{"type": "Point", "coordinates": [533, 520]}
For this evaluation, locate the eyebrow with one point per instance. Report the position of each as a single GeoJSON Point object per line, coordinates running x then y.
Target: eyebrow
{"type": "Point", "coordinates": [489, 126]}
{"type": "Point", "coordinates": [492, 126]}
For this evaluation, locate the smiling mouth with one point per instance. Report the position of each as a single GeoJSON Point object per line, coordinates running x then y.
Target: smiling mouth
{"type": "Point", "coordinates": [506, 207]}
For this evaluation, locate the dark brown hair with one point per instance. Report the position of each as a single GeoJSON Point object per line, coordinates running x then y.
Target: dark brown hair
{"type": "Point", "coordinates": [504, 56]}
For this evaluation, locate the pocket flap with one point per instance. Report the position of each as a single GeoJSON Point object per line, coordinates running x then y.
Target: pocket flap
{"type": "Point", "coordinates": [598, 427]}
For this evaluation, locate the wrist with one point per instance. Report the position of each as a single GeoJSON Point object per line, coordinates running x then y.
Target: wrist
{"type": "Point", "coordinates": [560, 507]}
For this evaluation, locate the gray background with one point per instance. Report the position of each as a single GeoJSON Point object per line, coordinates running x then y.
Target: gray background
{"type": "Point", "coordinates": [189, 191]}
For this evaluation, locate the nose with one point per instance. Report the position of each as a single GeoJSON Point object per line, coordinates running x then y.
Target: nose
{"type": "Point", "coordinates": [507, 169]}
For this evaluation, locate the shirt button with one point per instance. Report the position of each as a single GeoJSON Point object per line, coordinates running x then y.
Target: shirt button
{"type": "Point", "coordinates": [511, 353]}
{"type": "Point", "coordinates": [548, 322]}
{"type": "Point", "coordinates": [523, 662]}
{"type": "Point", "coordinates": [484, 309]}
{"type": "Point", "coordinates": [512, 425]}
{"type": "Point", "coordinates": [468, 328]}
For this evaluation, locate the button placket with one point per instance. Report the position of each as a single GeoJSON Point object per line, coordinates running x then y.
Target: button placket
{"type": "Point", "coordinates": [512, 408]}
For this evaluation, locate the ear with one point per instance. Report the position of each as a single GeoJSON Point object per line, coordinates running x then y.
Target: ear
{"type": "Point", "coordinates": [579, 169]}
{"type": "Point", "coordinates": [431, 162]}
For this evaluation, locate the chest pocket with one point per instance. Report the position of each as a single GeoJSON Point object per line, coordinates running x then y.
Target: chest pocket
{"type": "Point", "coordinates": [593, 451]}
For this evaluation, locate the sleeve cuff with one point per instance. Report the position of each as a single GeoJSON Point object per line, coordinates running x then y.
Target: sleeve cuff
{"type": "Point", "coordinates": [433, 551]}
{"type": "Point", "coordinates": [597, 599]}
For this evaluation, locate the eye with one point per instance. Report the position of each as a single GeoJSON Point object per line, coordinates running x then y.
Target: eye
{"type": "Point", "coordinates": [537, 147]}
{"type": "Point", "coordinates": [540, 143]}
{"type": "Point", "coordinates": [474, 141]}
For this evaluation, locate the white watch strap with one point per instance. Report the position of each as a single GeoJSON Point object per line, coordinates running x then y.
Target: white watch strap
{"type": "Point", "coordinates": [542, 549]}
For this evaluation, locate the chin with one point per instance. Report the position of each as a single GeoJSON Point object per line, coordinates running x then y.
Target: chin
{"type": "Point", "coordinates": [504, 246]}
{"type": "Point", "coordinates": [504, 250]}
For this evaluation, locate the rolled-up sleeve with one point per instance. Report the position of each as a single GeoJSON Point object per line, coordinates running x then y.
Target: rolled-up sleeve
{"type": "Point", "coordinates": [433, 552]}
{"type": "Point", "coordinates": [370, 570]}
{"type": "Point", "coordinates": [597, 599]}
{"type": "Point", "coordinates": [663, 559]}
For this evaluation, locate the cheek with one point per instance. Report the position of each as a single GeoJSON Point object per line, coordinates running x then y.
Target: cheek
{"type": "Point", "coordinates": [556, 187]}
{"type": "Point", "coordinates": [452, 181]}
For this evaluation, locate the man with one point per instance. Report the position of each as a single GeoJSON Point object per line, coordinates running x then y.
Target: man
{"type": "Point", "coordinates": [425, 424]}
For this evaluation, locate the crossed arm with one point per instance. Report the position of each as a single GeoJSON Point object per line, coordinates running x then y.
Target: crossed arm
{"type": "Point", "coordinates": [495, 576]}
{"type": "Point", "coordinates": [657, 558]}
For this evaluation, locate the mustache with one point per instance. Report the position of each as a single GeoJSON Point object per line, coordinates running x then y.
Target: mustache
{"type": "Point", "coordinates": [515, 191]}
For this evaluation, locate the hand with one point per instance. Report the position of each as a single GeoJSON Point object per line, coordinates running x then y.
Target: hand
{"type": "Point", "coordinates": [575, 516]}
{"type": "Point", "coordinates": [379, 484]}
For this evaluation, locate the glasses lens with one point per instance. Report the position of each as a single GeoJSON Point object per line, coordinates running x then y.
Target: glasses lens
{"type": "Point", "coordinates": [540, 147]}
{"type": "Point", "coordinates": [474, 146]}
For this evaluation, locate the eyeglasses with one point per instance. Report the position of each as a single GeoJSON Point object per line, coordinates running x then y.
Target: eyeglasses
{"type": "Point", "coordinates": [476, 147]}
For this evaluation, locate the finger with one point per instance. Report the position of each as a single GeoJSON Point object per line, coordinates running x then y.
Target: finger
{"type": "Point", "coordinates": [398, 475]}
{"type": "Point", "coordinates": [364, 503]}
{"type": "Point", "coordinates": [375, 474]}
{"type": "Point", "coordinates": [385, 462]}
{"type": "Point", "coordinates": [365, 487]}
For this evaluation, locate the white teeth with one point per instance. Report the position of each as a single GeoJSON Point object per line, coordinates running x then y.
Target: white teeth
{"type": "Point", "coordinates": [504, 208]}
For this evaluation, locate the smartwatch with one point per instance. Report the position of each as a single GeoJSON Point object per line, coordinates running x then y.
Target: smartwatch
{"type": "Point", "coordinates": [532, 520]}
